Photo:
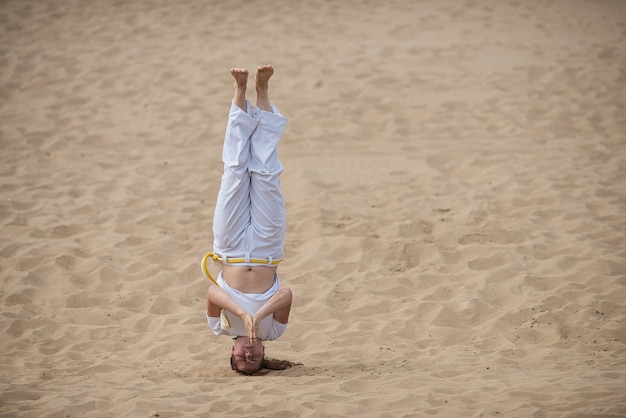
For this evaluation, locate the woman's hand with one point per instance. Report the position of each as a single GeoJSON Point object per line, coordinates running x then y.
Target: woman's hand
{"type": "Point", "coordinates": [251, 325]}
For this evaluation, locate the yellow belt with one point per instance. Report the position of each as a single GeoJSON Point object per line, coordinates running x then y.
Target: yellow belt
{"type": "Point", "coordinates": [217, 257]}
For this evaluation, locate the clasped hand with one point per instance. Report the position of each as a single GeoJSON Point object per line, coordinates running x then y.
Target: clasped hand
{"type": "Point", "coordinates": [251, 323]}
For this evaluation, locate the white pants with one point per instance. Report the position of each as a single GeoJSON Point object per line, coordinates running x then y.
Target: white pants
{"type": "Point", "coordinates": [249, 219]}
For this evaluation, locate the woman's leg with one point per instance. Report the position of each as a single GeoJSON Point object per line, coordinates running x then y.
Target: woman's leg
{"type": "Point", "coordinates": [267, 203]}
{"type": "Point", "coordinates": [232, 210]}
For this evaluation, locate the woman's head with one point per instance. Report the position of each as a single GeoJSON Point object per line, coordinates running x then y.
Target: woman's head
{"type": "Point", "coordinates": [247, 357]}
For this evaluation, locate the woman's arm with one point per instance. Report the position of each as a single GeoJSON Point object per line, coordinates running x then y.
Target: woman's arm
{"type": "Point", "coordinates": [279, 305]}
{"type": "Point", "coordinates": [217, 299]}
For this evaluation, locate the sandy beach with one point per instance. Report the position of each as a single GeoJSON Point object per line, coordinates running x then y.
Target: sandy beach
{"type": "Point", "coordinates": [455, 184]}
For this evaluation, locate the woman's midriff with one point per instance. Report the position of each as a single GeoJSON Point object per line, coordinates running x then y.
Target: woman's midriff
{"type": "Point", "coordinates": [249, 279]}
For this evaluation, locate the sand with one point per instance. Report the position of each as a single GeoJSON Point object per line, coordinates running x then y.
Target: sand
{"type": "Point", "coordinates": [455, 186]}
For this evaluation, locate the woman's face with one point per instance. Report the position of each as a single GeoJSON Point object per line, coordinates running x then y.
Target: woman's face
{"type": "Point", "coordinates": [247, 357]}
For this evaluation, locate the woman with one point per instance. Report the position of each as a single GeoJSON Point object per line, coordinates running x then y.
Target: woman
{"type": "Point", "coordinates": [247, 301]}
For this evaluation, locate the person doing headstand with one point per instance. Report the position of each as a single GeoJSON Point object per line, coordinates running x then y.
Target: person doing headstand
{"type": "Point", "coordinates": [247, 301]}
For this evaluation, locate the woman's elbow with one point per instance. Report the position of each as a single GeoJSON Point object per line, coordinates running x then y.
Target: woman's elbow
{"type": "Point", "coordinates": [286, 294]}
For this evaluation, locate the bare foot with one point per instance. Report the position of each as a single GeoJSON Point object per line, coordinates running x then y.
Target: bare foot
{"type": "Point", "coordinates": [241, 83]}
{"type": "Point", "coordinates": [262, 77]}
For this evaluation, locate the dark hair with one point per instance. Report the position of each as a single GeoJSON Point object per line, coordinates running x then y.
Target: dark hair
{"type": "Point", "coordinates": [266, 363]}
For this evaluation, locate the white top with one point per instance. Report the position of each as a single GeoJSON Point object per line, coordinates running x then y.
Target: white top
{"type": "Point", "coordinates": [269, 329]}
